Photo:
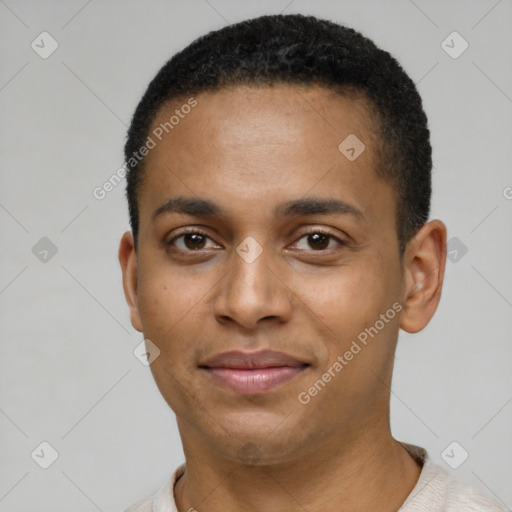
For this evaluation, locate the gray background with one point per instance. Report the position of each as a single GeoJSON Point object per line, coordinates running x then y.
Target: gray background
{"type": "Point", "coordinates": [68, 375]}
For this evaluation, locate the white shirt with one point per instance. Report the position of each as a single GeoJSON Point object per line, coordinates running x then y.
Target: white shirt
{"type": "Point", "coordinates": [435, 491]}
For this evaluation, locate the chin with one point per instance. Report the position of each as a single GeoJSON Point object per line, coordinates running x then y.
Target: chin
{"type": "Point", "coordinates": [258, 443]}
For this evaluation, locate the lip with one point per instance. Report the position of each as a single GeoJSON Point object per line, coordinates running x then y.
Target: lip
{"type": "Point", "coordinates": [252, 373]}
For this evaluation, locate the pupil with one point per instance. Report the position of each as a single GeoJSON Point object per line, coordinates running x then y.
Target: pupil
{"type": "Point", "coordinates": [319, 240]}
{"type": "Point", "coordinates": [194, 239]}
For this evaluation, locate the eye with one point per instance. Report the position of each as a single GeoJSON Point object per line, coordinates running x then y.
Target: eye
{"type": "Point", "coordinates": [196, 240]}
{"type": "Point", "coordinates": [319, 240]}
{"type": "Point", "coordinates": [190, 241]}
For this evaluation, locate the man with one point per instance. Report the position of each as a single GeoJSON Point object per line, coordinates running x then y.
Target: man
{"type": "Point", "coordinates": [279, 189]}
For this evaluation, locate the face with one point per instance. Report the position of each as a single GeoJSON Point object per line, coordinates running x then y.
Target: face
{"type": "Point", "coordinates": [280, 242]}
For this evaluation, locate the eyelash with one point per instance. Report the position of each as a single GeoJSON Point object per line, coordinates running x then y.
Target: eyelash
{"type": "Point", "coordinates": [196, 231]}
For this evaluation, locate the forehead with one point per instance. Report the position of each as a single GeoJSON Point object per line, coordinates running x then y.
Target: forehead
{"type": "Point", "coordinates": [240, 117]}
{"type": "Point", "coordinates": [267, 143]}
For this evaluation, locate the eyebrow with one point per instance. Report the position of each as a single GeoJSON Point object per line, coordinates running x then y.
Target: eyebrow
{"type": "Point", "coordinates": [197, 207]}
{"type": "Point", "coordinates": [316, 206]}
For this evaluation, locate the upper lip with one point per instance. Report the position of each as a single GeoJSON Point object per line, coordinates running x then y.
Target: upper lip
{"type": "Point", "coordinates": [252, 360]}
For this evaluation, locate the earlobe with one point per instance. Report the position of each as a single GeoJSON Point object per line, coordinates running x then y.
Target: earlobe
{"type": "Point", "coordinates": [128, 261]}
{"type": "Point", "coordinates": [424, 262]}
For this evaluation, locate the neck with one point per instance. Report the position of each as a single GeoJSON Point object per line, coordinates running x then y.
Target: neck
{"type": "Point", "coordinates": [368, 471]}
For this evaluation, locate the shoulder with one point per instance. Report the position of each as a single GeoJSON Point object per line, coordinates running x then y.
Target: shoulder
{"type": "Point", "coordinates": [462, 497]}
{"type": "Point", "coordinates": [143, 505]}
{"type": "Point", "coordinates": [437, 490]}
{"type": "Point", "coordinates": [441, 492]}
{"type": "Point", "coordinates": [163, 499]}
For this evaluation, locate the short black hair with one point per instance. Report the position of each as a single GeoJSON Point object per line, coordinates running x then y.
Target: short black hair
{"type": "Point", "coordinates": [302, 50]}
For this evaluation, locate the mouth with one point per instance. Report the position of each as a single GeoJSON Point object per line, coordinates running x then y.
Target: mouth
{"type": "Point", "coordinates": [253, 373]}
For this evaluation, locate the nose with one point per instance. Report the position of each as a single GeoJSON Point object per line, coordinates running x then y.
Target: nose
{"type": "Point", "coordinates": [252, 291]}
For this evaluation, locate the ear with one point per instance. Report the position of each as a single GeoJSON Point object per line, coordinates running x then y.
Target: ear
{"type": "Point", "coordinates": [424, 265]}
{"type": "Point", "coordinates": [128, 261]}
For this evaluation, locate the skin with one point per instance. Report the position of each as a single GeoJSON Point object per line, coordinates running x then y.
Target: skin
{"type": "Point", "coordinates": [249, 149]}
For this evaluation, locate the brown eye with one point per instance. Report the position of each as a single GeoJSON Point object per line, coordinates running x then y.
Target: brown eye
{"type": "Point", "coordinates": [318, 241]}
{"type": "Point", "coordinates": [191, 241]}
{"type": "Point", "coordinates": [194, 241]}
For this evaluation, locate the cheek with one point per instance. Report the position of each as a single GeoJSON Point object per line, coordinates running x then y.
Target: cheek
{"type": "Point", "coordinates": [174, 308]}
{"type": "Point", "coordinates": [158, 307]}
{"type": "Point", "coordinates": [163, 299]}
{"type": "Point", "coordinates": [172, 311]}
{"type": "Point", "coordinates": [346, 299]}
{"type": "Point", "coordinates": [346, 306]}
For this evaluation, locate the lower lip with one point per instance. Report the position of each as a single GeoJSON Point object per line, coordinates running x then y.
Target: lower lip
{"type": "Point", "coordinates": [255, 381]}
